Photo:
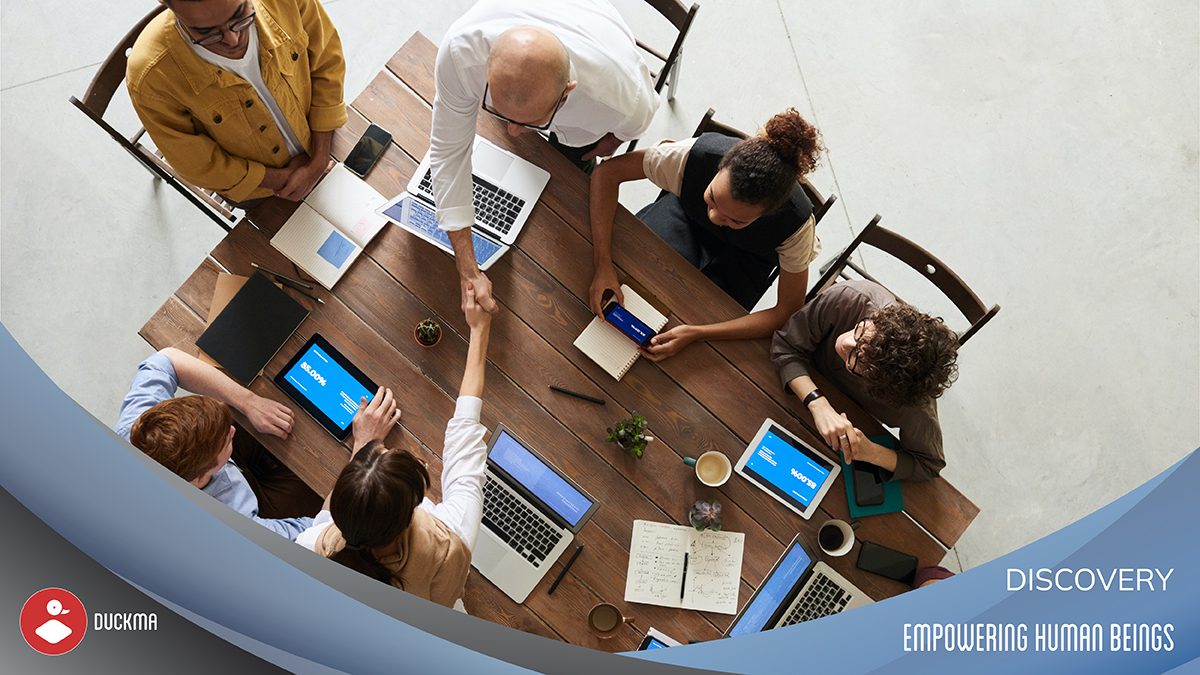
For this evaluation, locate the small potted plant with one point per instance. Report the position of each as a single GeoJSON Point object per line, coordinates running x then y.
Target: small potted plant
{"type": "Point", "coordinates": [630, 434]}
{"type": "Point", "coordinates": [427, 333]}
{"type": "Point", "coordinates": [706, 515]}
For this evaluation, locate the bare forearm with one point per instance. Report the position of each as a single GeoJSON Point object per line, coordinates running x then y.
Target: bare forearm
{"type": "Point", "coordinates": [464, 253]}
{"type": "Point", "coordinates": [322, 142]}
{"type": "Point", "coordinates": [757, 325]}
{"type": "Point", "coordinates": [473, 374]}
{"type": "Point", "coordinates": [200, 378]}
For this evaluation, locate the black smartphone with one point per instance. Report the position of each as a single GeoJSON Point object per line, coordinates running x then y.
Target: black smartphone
{"type": "Point", "coordinates": [887, 562]}
{"type": "Point", "coordinates": [628, 324]}
{"type": "Point", "coordinates": [868, 484]}
{"type": "Point", "coordinates": [368, 149]}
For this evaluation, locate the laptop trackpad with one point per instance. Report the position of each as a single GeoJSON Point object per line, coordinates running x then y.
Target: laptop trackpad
{"type": "Point", "coordinates": [490, 163]}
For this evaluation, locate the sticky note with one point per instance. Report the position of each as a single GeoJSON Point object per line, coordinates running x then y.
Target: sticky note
{"type": "Point", "coordinates": [336, 249]}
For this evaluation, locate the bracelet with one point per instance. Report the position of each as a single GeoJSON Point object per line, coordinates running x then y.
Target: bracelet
{"type": "Point", "coordinates": [812, 396]}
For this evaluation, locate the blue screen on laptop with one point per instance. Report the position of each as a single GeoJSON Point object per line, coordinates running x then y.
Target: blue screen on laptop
{"type": "Point", "coordinates": [422, 219]}
{"type": "Point", "coordinates": [327, 385]}
{"type": "Point", "coordinates": [795, 474]}
{"type": "Point", "coordinates": [773, 592]}
{"type": "Point", "coordinates": [539, 479]}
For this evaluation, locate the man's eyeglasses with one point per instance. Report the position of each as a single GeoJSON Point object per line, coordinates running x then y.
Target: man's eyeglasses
{"type": "Point", "coordinates": [852, 361]}
{"type": "Point", "coordinates": [543, 127]}
{"type": "Point", "coordinates": [239, 26]}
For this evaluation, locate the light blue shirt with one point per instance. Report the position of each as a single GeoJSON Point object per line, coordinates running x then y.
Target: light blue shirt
{"type": "Point", "coordinates": [156, 382]}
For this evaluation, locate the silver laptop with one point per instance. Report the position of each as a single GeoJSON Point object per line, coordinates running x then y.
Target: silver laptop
{"type": "Point", "coordinates": [506, 189]}
{"type": "Point", "coordinates": [531, 513]}
{"type": "Point", "coordinates": [796, 589]}
{"type": "Point", "coordinates": [417, 215]}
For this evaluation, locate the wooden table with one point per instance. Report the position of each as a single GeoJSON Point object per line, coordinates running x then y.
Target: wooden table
{"type": "Point", "coordinates": [709, 397]}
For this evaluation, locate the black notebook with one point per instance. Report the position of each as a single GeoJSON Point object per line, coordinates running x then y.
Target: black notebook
{"type": "Point", "coordinates": [251, 328]}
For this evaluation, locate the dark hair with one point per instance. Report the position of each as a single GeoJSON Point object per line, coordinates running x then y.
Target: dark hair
{"type": "Point", "coordinates": [186, 435]}
{"type": "Point", "coordinates": [372, 503]}
{"type": "Point", "coordinates": [764, 168]}
{"type": "Point", "coordinates": [910, 358]}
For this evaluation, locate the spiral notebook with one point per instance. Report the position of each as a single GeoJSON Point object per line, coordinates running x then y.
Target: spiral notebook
{"type": "Point", "coordinates": [607, 346]}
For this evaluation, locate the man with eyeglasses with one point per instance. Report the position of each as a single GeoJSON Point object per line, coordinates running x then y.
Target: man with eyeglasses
{"type": "Point", "coordinates": [893, 360]}
{"type": "Point", "coordinates": [241, 96]}
{"type": "Point", "coordinates": [569, 67]}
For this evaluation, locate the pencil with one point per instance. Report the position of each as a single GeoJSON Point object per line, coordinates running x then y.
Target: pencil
{"type": "Point", "coordinates": [297, 282]}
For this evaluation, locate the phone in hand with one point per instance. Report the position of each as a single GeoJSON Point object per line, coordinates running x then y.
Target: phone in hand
{"type": "Point", "coordinates": [868, 484]}
{"type": "Point", "coordinates": [628, 324]}
{"type": "Point", "coordinates": [368, 149]}
{"type": "Point", "coordinates": [887, 562]}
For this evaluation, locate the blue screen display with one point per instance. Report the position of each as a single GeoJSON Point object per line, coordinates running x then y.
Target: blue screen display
{"type": "Point", "coordinates": [629, 324]}
{"type": "Point", "coordinates": [539, 479]}
{"type": "Point", "coordinates": [655, 644]}
{"type": "Point", "coordinates": [322, 381]}
{"type": "Point", "coordinates": [773, 592]}
{"type": "Point", "coordinates": [423, 219]}
{"type": "Point", "coordinates": [795, 475]}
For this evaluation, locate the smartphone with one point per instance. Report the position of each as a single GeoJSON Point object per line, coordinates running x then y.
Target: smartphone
{"type": "Point", "coordinates": [868, 484]}
{"type": "Point", "coordinates": [887, 562]}
{"type": "Point", "coordinates": [368, 149]}
{"type": "Point", "coordinates": [628, 324]}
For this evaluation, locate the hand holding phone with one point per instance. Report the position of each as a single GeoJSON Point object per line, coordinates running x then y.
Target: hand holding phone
{"type": "Point", "coordinates": [629, 325]}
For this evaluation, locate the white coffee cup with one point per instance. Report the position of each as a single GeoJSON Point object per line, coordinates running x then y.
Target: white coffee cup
{"type": "Point", "coordinates": [836, 537]}
{"type": "Point", "coordinates": [713, 468]}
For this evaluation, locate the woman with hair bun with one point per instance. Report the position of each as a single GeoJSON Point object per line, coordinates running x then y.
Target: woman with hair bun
{"type": "Point", "coordinates": [733, 209]}
{"type": "Point", "coordinates": [377, 519]}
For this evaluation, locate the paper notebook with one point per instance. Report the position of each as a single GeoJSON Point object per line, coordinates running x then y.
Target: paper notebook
{"type": "Point", "coordinates": [658, 574]}
{"type": "Point", "coordinates": [332, 226]}
{"type": "Point", "coordinates": [251, 328]}
{"type": "Point", "coordinates": [608, 346]}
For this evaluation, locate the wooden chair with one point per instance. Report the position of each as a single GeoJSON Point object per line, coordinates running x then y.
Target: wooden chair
{"type": "Point", "coordinates": [920, 260]}
{"type": "Point", "coordinates": [95, 103]}
{"type": "Point", "coordinates": [681, 17]}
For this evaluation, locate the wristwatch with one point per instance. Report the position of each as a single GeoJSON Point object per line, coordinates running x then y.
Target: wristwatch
{"type": "Point", "coordinates": [812, 396]}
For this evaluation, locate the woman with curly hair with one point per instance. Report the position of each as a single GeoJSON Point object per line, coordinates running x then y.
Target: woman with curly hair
{"type": "Point", "coordinates": [890, 358]}
{"type": "Point", "coordinates": [733, 209]}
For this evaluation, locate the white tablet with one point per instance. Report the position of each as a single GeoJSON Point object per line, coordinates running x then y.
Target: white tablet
{"type": "Point", "coordinates": [788, 469]}
{"type": "Point", "coordinates": [419, 217]}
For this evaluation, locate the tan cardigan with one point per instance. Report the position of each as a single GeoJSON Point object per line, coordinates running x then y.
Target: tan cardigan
{"type": "Point", "coordinates": [427, 559]}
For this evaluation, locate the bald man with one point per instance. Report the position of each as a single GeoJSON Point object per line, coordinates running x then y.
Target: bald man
{"type": "Point", "coordinates": [570, 67]}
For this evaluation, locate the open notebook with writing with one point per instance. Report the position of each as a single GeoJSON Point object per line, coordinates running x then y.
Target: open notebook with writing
{"type": "Point", "coordinates": [607, 346]}
{"type": "Point", "coordinates": [332, 226]}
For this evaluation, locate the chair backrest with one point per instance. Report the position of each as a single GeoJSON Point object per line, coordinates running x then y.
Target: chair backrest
{"type": "Point", "coordinates": [918, 259]}
{"type": "Point", "coordinates": [95, 103]}
{"type": "Point", "coordinates": [680, 16]}
{"type": "Point", "coordinates": [820, 204]}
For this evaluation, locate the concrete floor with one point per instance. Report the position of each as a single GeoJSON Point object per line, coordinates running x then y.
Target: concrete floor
{"type": "Point", "coordinates": [1046, 151]}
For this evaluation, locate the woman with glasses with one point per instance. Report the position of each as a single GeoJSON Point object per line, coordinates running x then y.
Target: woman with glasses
{"type": "Point", "coordinates": [893, 360]}
{"type": "Point", "coordinates": [378, 521]}
{"type": "Point", "coordinates": [733, 209]}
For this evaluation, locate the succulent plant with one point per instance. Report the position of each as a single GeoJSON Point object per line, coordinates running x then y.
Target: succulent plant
{"type": "Point", "coordinates": [630, 434]}
{"type": "Point", "coordinates": [428, 332]}
{"type": "Point", "coordinates": [706, 515]}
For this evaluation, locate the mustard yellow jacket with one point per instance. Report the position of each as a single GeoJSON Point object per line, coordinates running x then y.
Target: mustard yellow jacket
{"type": "Point", "coordinates": [210, 124]}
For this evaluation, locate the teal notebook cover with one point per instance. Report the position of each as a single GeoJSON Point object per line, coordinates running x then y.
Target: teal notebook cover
{"type": "Point", "coordinates": [893, 499]}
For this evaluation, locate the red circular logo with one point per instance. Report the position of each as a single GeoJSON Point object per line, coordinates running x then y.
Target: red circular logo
{"type": "Point", "coordinates": [53, 621]}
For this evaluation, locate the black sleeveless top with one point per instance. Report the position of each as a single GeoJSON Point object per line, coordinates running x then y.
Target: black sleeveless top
{"type": "Point", "coordinates": [759, 238]}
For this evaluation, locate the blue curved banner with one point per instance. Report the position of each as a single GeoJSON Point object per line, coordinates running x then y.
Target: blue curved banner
{"type": "Point", "coordinates": [1114, 592]}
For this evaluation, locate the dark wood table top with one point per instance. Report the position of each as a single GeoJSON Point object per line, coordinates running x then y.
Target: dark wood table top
{"type": "Point", "coordinates": [711, 396]}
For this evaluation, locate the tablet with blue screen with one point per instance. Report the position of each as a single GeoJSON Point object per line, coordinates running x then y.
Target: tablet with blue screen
{"type": "Point", "coordinates": [788, 469]}
{"type": "Point", "coordinates": [326, 385]}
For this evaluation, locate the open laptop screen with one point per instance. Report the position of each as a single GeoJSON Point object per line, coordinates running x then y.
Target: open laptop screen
{"type": "Point", "coordinates": [528, 470]}
{"type": "Point", "coordinates": [773, 592]}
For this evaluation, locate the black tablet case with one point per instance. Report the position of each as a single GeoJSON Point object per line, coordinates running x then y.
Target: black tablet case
{"type": "Point", "coordinates": [251, 328]}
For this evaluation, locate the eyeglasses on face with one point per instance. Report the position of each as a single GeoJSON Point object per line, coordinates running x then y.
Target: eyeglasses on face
{"type": "Point", "coordinates": [852, 361]}
{"type": "Point", "coordinates": [536, 127]}
{"type": "Point", "coordinates": [237, 27]}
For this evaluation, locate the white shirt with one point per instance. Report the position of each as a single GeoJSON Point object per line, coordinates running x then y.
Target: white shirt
{"type": "Point", "coordinates": [615, 93]}
{"type": "Point", "coordinates": [464, 460]}
{"type": "Point", "coordinates": [249, 69]}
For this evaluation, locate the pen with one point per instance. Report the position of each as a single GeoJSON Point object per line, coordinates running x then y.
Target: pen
{"type": "Point", "coordinates": [290, 284]}
{"type": "Point", "coordinates": [568, 392]}
{"type": "Point", "coordinates": [297, 282]}
{"type": "Point", "coordinates": [563, 573]}
{"type": "Point", "coordinates": [683, 582]}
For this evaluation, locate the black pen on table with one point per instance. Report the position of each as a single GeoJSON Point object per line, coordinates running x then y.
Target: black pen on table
{"type": "Point", "coordinates": [281, 277]}
{"type": "Point", "coordinates": [576, 394]}
{"type": "Point", "coordinates": [563, 573]}
{"type": "Point", "coordinates": [683, 582]}
{"type": "Point", "coordinates": [301, 291]}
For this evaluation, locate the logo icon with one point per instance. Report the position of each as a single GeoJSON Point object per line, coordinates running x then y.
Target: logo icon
{"type": "Point", "coordinates": [53, 621]}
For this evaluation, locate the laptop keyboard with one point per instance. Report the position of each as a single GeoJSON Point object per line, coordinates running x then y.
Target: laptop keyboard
{"type": "Point", "coordinates": [822, 598]}
{"type": "Point", "coordinates": [495, 208]}
{"type": "Point", "coordinates": [516, 524]}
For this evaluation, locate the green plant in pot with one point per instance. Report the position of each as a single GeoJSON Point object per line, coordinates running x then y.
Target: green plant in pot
{"type": "Point", "coordinates": [706, 515]}
{"type": "Point", "coordinates": [630, 434]}
{"type": "Point", "coordinates": [427, 333]}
